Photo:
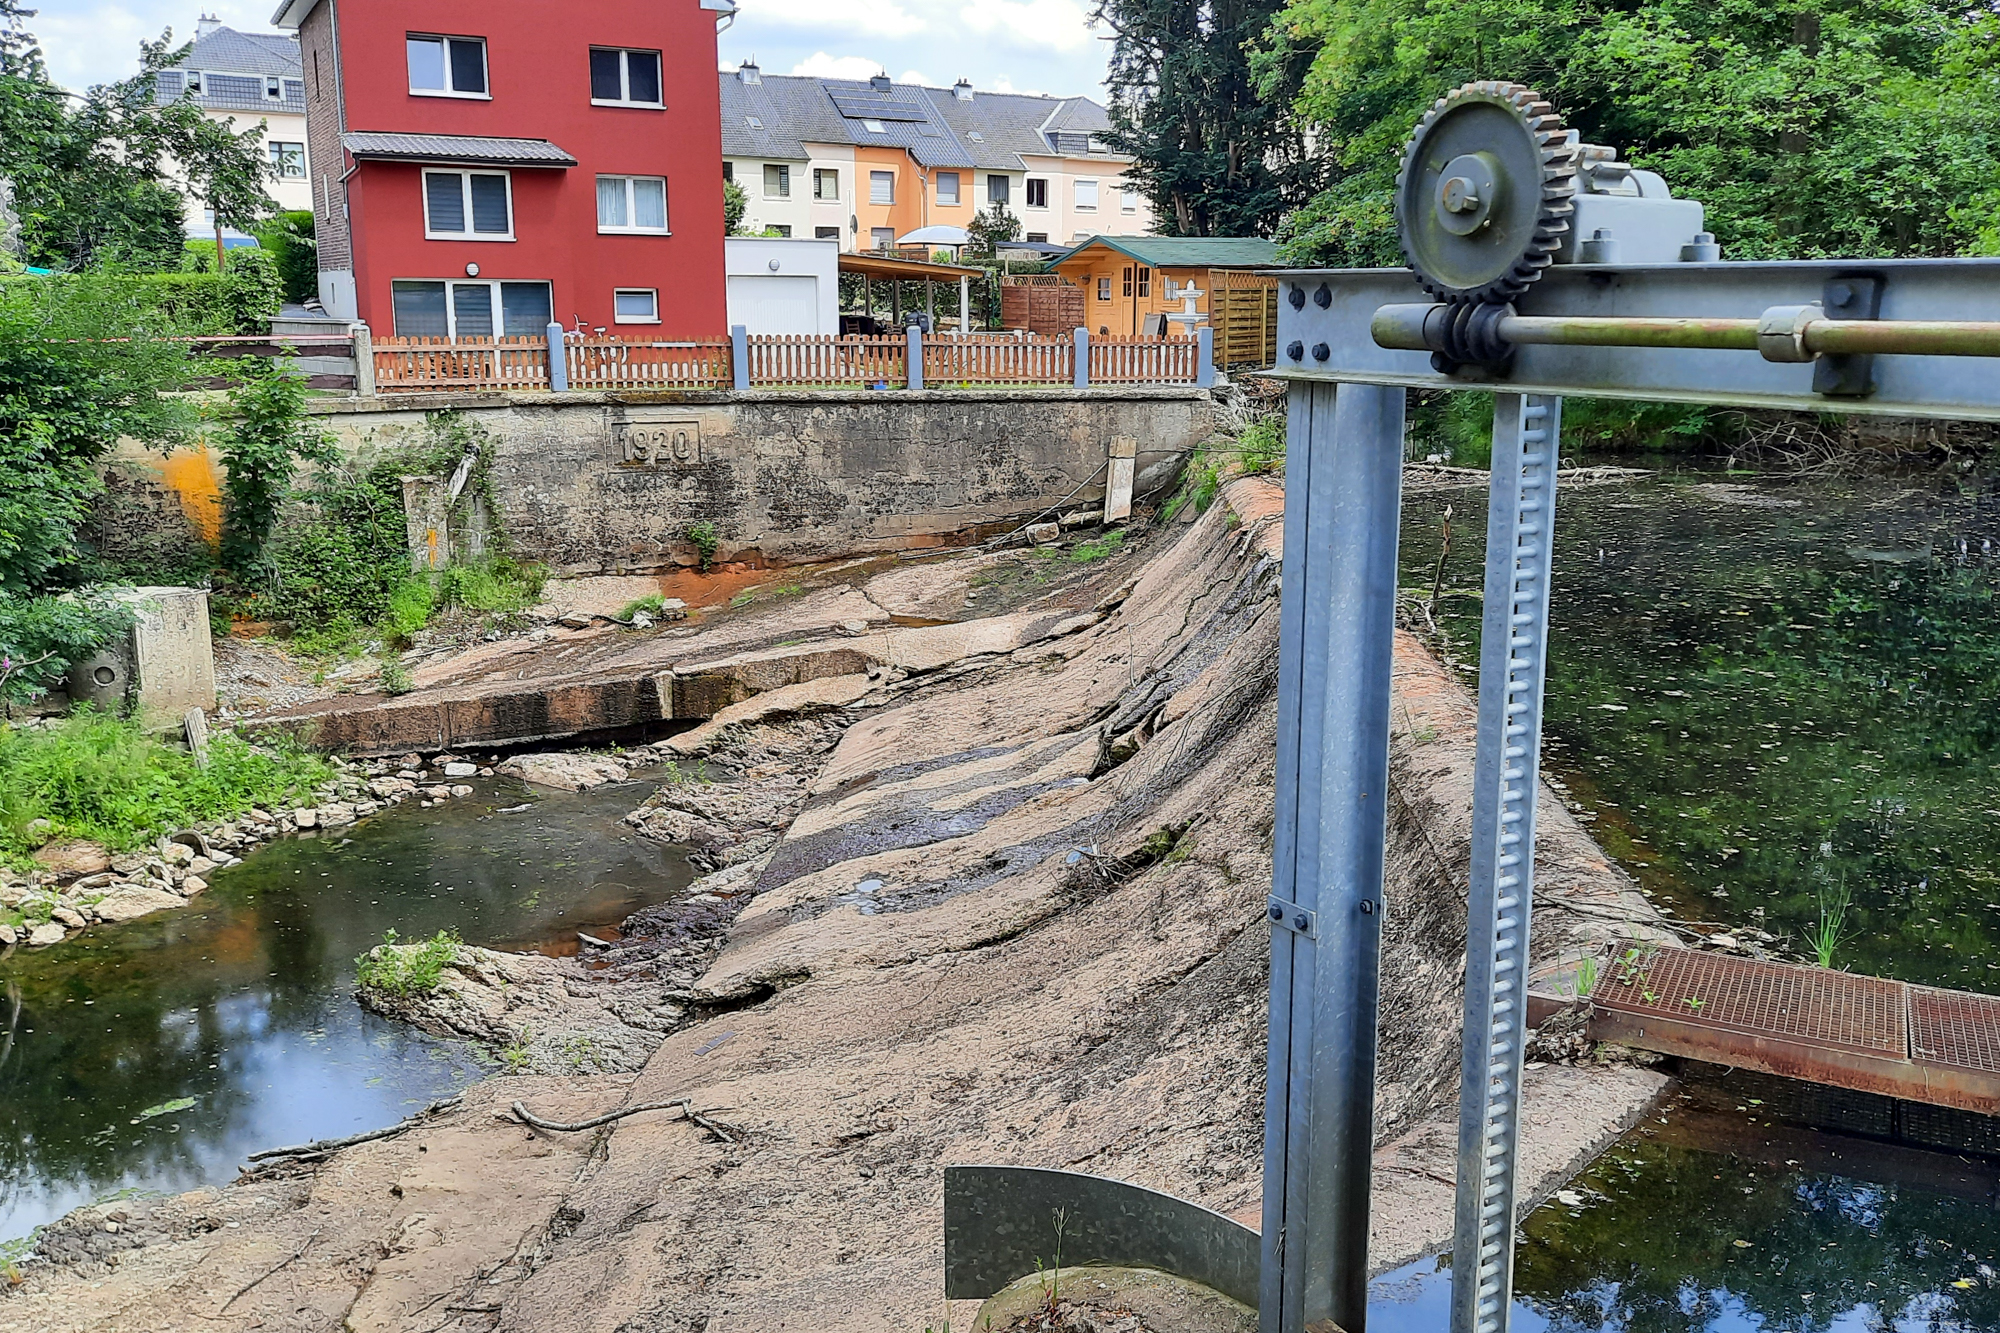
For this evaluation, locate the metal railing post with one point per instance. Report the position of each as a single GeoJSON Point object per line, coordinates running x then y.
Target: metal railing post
{"type": "Point", "coordinates": [1082, 369]}
{"type": "Point", "coordinates": [739, 356]}
{"type": "Point", "coordinates": [1204, 357]}
{"type": "Point", "coordinates": [364, 359]}
{"type": "Point", "coordinates": [915, 366]}
{"type": "Point", "coordinates": [1506, 779]}
{"type": "Point", "coordinates": [558, 359]}
{"type": "Point", "coordinates": [1336, 650]}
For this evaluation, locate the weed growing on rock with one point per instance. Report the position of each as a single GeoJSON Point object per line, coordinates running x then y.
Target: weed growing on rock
{"type": "Point", "coordinates": [396, 678]}
{"type": "Point", "coordinates": [407, 969]}
{"type": "Point", "coordinates": [706, 538]}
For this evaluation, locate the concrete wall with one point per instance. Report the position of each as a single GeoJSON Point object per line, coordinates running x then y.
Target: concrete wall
{"type": "Point", "coordinates": [600, 483]}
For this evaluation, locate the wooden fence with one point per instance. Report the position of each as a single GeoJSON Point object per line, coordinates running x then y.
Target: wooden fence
{"type": "Point", "coordinates": [784, 361]}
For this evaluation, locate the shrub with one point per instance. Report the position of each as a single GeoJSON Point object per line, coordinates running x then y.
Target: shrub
{"type": "Point", "coordinates": [41, 636]}
{"type": "Point", "coordinates": [706, 538]}
{"type": "Point", "coordinates": [1262, 443]}
{"type": "Point", "coordinates": [288, 238]}
{"type": "Point", "coordinates": [407, 969]}
{"type": "Point", "coordinates": [497, 584]}
{"type": "Point", "coordinates": [262, 449]}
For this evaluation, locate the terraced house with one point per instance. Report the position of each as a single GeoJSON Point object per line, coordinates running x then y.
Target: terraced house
{"type": "Point", "coordinates": [868, 162]}
{"type": "Point", "coordinates": [247, 79]}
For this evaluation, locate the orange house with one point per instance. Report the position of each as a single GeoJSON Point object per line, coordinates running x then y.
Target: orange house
{"type": "Point", "coordinates": [1128, 281]}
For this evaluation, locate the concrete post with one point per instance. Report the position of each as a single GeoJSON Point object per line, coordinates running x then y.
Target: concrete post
{"type": "Point", "coordinates": [916, 360]}
{"type": "Point", "coordinates": [1082, 336]}
{"type": "Point", "coordinates": [739, 356]}
{"type": "Point", "coordinates": [364, 360]}
{"type": "Point", "coordinates": [964, 304]}
{"type": "Point", "coordinates": [558, 359]}
{"type": "Point", "coordinates": [426, 512]}
{"type": "Point", "coordinates": [1118, 481]}
{"type": "Point", "coordinates": [1204, 357]}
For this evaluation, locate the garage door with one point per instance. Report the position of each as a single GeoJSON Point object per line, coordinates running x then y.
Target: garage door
{"type": "Point", "coordinates": [775, 303]}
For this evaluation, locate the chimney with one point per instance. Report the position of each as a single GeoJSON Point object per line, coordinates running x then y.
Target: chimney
{"type": "Point", "coordinates": [962, 90]}
{"type": "Point", "coordinates": [748, 71]}
{"type": "Point", "coordinates": [880, 82]}
{"type": "Point", "coordinates": [206, 26]}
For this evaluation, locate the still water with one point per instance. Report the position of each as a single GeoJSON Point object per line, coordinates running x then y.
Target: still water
{"type": "Point", "coordinates": [153, 1055]}
{"type": "Point", "coordinates": [1772, 698]}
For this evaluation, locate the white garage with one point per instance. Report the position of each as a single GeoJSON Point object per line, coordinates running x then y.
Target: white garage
{"type": "Point", "coordinates": [778, 284]}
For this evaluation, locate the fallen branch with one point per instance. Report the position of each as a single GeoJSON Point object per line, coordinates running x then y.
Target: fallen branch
{"type": "Point", "coordinates": [286, 1262]}
{"type": "Point", "coordinates": [320, 1147]}
{"type": "Point", "coordinates": [682, 1104]}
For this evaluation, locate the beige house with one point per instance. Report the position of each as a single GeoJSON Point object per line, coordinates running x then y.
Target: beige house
{"type": "Point", "coordinates": [866, 162]}
{"type": "Point", "coordinates": [248, 79]}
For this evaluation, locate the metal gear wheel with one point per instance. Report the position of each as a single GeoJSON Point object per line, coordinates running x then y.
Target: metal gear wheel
{"type": "Point", "coordinates": [1486, 192]}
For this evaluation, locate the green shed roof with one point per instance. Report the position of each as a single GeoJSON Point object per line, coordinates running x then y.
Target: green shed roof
{"type": "Point", "coordinates": [1189, 251]}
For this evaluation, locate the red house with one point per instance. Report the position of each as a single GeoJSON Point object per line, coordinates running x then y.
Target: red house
{"type": "Point", "coordinates": [481, 167]}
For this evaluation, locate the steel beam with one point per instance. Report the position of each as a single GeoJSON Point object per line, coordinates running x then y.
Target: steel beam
{"type": "Point", "coordinates": [1336, 647]}
{"type": "Point", "coordinates": [1520, 524]}
{"type": "Point", "coordinates": [1332, 342]}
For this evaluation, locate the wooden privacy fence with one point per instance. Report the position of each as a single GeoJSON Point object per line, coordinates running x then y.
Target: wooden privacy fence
{"type": "Point", "coordinates": [635, 363]}
{"type": "Point", "coordinates": [779, 361]}
{"type": "Point", "coordinates": [817, 361]}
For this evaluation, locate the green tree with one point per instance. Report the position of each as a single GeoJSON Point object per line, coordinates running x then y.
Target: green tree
{"type": "Point", "coordinates": [1834, 128]}
{"type": "Point", "coordinates": [1216, 153]}
{"type": "Point", "coordinates": [735, 202]}
{"type": "Point", "coordinates": [289, 238]}
{"type": "Point", "coordinates": [262, 449]}
{"type": "Point", "coordinates": [993, 227]}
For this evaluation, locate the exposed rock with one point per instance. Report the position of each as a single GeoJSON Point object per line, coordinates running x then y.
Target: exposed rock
{"type": "Point", "coordinates": [70, 917]}
{"type": "Point", "coordinates": [175, 853]}
{"type": "Point", "coordinates": [45, 935]}
{"type": "Point", "coordinates": [72, 857]}
{"type": "Point", "coordinates": [1042, 534]}
{"type": "Point", "coordinates": [461, 770]}
{"type": "Point", "coordinates": [128, 901]}
{"type": "Point", "coordinates": [565, 772]}
{"type": "Point", "coordinates": [194, 884]}
{"type": "Point", "coordinates": [306, 818]}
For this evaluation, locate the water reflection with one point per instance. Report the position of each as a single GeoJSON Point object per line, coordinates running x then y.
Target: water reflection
{"type": "Point", "coordinates": [242, 1001]}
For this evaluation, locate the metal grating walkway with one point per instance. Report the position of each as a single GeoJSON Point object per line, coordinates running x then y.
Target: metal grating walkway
{"type": "Point", "coordinates": [1937, 1047]}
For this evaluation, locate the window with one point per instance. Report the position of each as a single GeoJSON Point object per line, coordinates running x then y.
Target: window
{"type": "Point", "coordinates": [274, 88]}
{"type": "Point", "coordinates": [1128, 200]}
{"type": "Point", "coordinates": [193, 83]}
{"type": "Point", "coordinates": [470, 309]}
{"type": "Point", "coordinates": [468, 205]}
{"type": "Point", "coordinates": [1125, 281]}
{"type": "Point", "coordinates": [632, 203]}
{"type": "Point", "coordinates": [881, 237]}
{"type": "Point", "coordinates": [881, 187]}
{"type": "Point", "coordinates": [872, 126]}
{"type": "Point", "coordinates": [777, 181]}
{"type": "Point", "coordinates": [1104, 289]}
{"type": "Point", "coordinates": [635, 305]}
{"type": "Point", "coordinates": [624, 78]}
{"type": "Point", "coordinates": [729, 171]}
{"type": "Point", "coordinates": [996, 189]}
{"type": "Point", "coordinates": [947, 188]}
{"type": "Point", "coordinates": [288, 159]}
{"type": "Point", "coordinates": [447, 66]}
{"type": "Point", "coordinates": [826, 233]}
{"type": "Point", "coordinates": [1145, 281]}
{"type": "Point", "coordinates": [1038, 238]}
{"type": "Point", "coordinates": [1086, 195]}
{"type": "Point", "coordinates": [826, 184]}
{"type": "Point", "coordinates": [1038, 192]}
{"type": "Point", "coordinates": [778, 230]}
{"type": "Point", "coordinates": [753, 122]}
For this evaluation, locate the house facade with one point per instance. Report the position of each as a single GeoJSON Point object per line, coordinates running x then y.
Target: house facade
{"type": "Point", "coordinates": [479, 170]}
{"type": "Point", "coordinates": [1131, 286]}
{"type": "Point", "coordinates": [865, 162]}
{"type": "Point", "coordinates": [245, 80]}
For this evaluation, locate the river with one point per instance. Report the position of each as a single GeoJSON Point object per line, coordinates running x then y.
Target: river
{"type": "Point", "coordinates": [1776, 702]}
{"type": "Point", "coordinates": [153, 1055]}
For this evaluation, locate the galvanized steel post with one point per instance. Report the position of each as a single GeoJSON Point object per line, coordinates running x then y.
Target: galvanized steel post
{"type": "Point", "coordinates": [915, 361]}
{"type": "Point", "coordinates": [1336, 649]}
{"type": "Point", "coordinates": [558, 359]}
{"type": "Point", "coordinates": [1204, 352]}
{"type": "Point", "coordinates": [1506, 779]}
{"type": "Point", "coordinates": [1082, 367]}
{"type": "Point", "coordinates": [739, 356]}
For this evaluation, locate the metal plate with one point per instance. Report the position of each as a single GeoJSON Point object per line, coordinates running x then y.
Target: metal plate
{"type": "Point", "coordinates": [1765, 999]}
{"type": "Point", "coordinates": [1962, 388]}
{"type": "Point", "coordinates": [1955, 1028]}
{"type": "Point", "coordinates": [1000, 1226]}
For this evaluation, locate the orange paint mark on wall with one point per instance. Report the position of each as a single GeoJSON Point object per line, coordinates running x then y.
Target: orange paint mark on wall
{"type": "Point", "coordinates": [192, 476]}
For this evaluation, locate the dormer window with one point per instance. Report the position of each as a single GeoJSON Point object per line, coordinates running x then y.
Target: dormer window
{"type": "Point", "coordinates": [194, 83]}
{"type": "Point", "coordinates": [274, 88]}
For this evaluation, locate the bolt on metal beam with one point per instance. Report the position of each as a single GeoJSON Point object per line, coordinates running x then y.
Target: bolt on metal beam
{"type": "Point", "coordinates": [1506, 776]}
{"type": "Point", "coordinates": [1336, 654]}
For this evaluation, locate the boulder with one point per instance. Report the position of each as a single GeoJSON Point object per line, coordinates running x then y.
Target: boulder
{"type": "Point", "coordinates": [69, 916]}
{"type": "Point", "coordinates": [194, 884]}
{"type": "Point", "coordinates": [7, 935]}
{"type": "Point", "coordinates": [306, 818]}
{"type": "Point", "coordinates": [72, 857]}
{"type": "Point", "coordinates": [134, 900]}
{"type": "Point", "coordinates": [461, 770]}
{"type": "Point", "coordinates": [42, 936]}
{"type": "Point", "coordinates": [565, 772]}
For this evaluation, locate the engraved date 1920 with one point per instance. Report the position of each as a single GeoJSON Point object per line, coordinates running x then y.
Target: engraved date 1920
{"type": "Point", "coordinates": [659, 443]}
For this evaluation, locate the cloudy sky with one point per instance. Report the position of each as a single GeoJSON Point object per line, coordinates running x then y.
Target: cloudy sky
{"type": "Point", "coordinates": [1001, 45]}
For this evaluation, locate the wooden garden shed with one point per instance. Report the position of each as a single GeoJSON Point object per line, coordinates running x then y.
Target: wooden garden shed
{"type": "Point", "coordinates": [1128, 282]}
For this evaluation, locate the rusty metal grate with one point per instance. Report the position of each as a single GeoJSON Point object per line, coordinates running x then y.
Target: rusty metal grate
{"type": "Point", "coordinates": [1955, 1028]}
{"type": "Point", "coordinates": [1768, 999]}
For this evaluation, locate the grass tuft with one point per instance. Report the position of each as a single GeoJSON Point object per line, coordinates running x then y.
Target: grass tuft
{"type": "Point", "coordinates": [407, 969]}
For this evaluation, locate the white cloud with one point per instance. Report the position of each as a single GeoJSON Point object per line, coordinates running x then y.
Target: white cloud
{"type": "Point", "coordinates": [820, 65]}
{"type": "Point", "coordinates": [1060, 24]}
{"type": "Point", "coordinates": [915, 76]}
{"type": "Point", "coordinates": [879, 17]}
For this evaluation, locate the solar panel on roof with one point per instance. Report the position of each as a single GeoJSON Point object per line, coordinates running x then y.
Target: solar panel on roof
{"type": "Point", "coordinates": [877, 106]}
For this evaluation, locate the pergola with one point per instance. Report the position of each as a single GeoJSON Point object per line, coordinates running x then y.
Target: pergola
{"type": "Point", "coordinates": [868, 267]}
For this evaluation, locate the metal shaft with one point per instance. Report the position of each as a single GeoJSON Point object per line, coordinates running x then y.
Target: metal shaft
{"type": "Point", "coordinates": [1506, 775]}
{"type": "Point", "coordinates": [1782, 333]}
{"type": "Point", "coordinates": [1336, 651]}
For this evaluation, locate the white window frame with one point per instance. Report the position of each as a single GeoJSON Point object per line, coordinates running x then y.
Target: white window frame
{"type": "Point", "coordinates": [653, 292]}
{"type": "Point", "coordinates": [780, 172]}
{"type": "Point", "coordinates": [485, 66]}
{"type": "Point", "coordinates": [1006, 184]}
{"type": "Point", "coordinates": [821, 175]}
{"type": "Point", "coordinates": [1128, 199]}
{"type": "Point", "coordinates": [1079, 205]}
{"type": "Point", "coordinates": [274, 88]}
{"type": "Point", "coordinates": [465, 195]}
{"type": "Point", "coordinates": [191, 83]}
{"type": "Point", "coordinates": [632, 210]}
{"type": "Point", "coordinates": [271, 147]}
{"type": "Point", "coordinates": [1028, 192]}
{"type": "Point", "coordinates": [492, 285]}
{"type": "Point", "coordinates": [877, 178]}
{"type": "Point", "coordinates": [957, 189]}
{"type": "Point", "coordinates": [625, 54]}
